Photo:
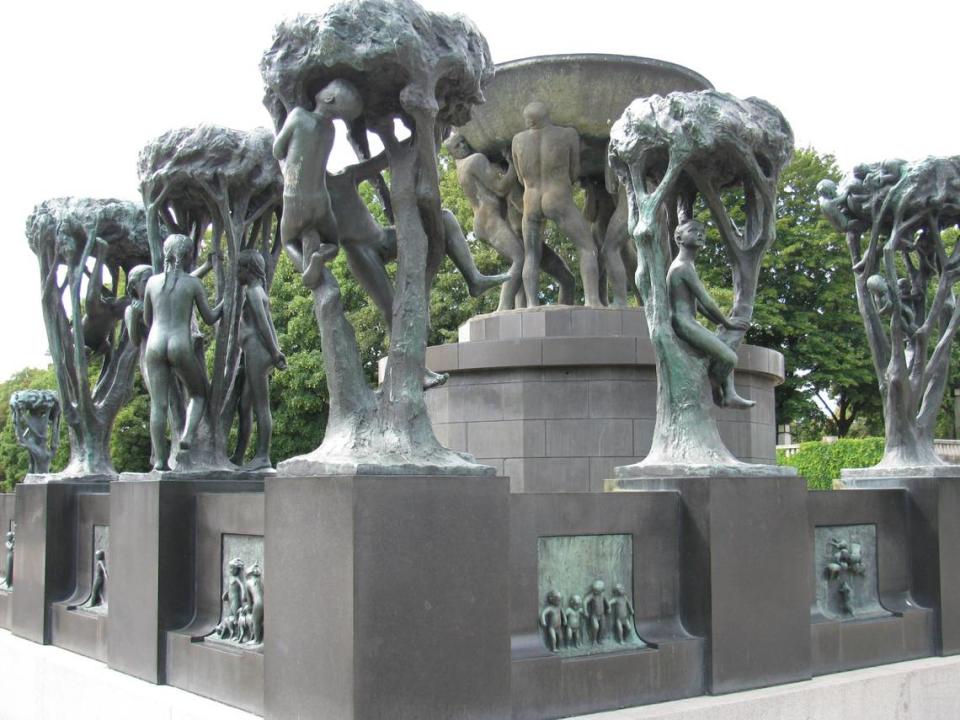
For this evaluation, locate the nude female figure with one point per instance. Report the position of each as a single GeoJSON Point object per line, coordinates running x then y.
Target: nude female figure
{"type": "Point", "coordinates": [261, 353]}
{"type": "Point", "coordinates": [687, 296]}
{"type": "Point", "coordinates": [169, 300]}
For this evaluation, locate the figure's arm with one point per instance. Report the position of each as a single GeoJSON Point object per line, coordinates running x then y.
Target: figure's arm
{"type": "Point", "coordinates": [606, 606]}
{"type": "Point", "coordinates": [147, 310]}
{"type": "Point", "coordinates": [207, 266]}
{"type": "Point", "coordinates": [282, 143]}
{"type": "Point", "coordinates": [260, 307]}
{"type": "Point", "coordinates": [543, 618]}
{"type": "Point", "coordinates": [209, 315]}
{"type": "Point", "coordinates": [709, 307]}
{"type": "Point", "coordinates": [95, 285]}
{"type": "Point", "coordinates": [629, 608]}
{"type": "Point", "coordinates": [132, 322]}
{"type": "Point", "coordinates": [516, 163]}
{"type": "Point", "coordinates": [499, 183]}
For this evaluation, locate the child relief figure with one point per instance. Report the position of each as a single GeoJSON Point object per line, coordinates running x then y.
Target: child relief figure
{"type": "Point", "coordinates": [622, 612]}
{"type": "Point", "coordinates": [573, 618]}
{"type": "Point", "coordinates": [551, 620]}
{"type": "Point", "coordinates": [597, 608]}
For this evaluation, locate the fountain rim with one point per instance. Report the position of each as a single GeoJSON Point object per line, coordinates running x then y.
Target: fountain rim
{"type": "Point", "coordinates": [608, 57]}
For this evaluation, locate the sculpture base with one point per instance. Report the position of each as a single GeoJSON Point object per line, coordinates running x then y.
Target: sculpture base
{"type": "Point", "coordinates": [152, 585]}
{"type": "Point", "coordinates": [666, 471]}
{"type": "Point", "coordinates": [745, 549]}
{"type": "Point", "coordinates": [321, 464]}
{"type": "Point", "coordinates": [237, 475]}
{"type": "Point", "coordinates": [387, 597]}
{"type": "Point", "coordinates": [920, 471]}
{"type": "Point", "coordinates": [65, 477]}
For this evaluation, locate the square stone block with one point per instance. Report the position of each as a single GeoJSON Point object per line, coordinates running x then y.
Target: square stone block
{"type": "Point", "coordinates": [544, 475]}
{"type": "Point", "coordinates": [412, 575]}
{"type": "Point", "coordinates": [589, 438]}
{"type": "Point", "coordinates": [507, 438]}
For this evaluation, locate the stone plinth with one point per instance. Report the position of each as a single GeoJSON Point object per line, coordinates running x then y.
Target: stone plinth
{"type": "Point", "coordinates": [388, 597]}
{"type": "Point", "coordinates": [153, 538]}
{"type": "Point", "coordinates": [557, 396]}
{"type": "Point", "coordinates": [934, 536]}
{"type": "Point", "coordinates": [745, 578]}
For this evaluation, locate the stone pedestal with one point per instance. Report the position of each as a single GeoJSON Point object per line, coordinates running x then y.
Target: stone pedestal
{"type": "Point", "coordinates": [44, 562]}
{"type": "Point", "coordinates": [933, 522]}
{"type": "Point", "coordinates": [153, 540]}
{"type": "Point", "coordinates": [745, 577]}
{"type": "Point", "coordinates": [557, 396]}
{"type": "Point", "coordinates": [387, 597]}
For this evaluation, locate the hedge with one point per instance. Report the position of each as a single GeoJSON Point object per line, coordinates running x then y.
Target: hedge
{"type": "Point", "coordinates": [820, 463]}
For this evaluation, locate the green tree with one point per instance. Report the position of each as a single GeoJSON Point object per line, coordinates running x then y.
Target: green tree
{"type": "Point", "coordinates": [806, 309]}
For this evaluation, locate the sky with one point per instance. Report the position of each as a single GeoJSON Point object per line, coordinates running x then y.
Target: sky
{"type": "Point", "coordinates": [87, 85]}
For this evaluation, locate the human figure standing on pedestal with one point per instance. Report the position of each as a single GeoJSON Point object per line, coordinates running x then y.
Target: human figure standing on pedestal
{"type": "Point", "coordinates": [308, 227]}
{"type": "Point", "coordinates": [687, 296]}
{"type": "Point", "coordinates": [547, 161]}
{"type": "Point", "coordinates": [8, 578]}
{"type": "Point", "coordinates": [261, 353]}
{"type": "Point", "coordinates": [99, 588]}
{"type": "Point", "coordinates": [168, 305]}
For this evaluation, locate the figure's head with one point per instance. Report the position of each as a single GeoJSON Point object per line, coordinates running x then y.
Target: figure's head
{"type": "Point", "coordinates": [10, 536]}
{"type": "Point", "coordinates": [254, 570]}
{"type": "Point", "coordinates": [458, 146]}
{"type": "Point", "coordinates": [137, 280]}
{"type": "Point", "coordinates": [827, 189]}
{"type": "Point", "coordinates": [690, 234]}
{"type": "Point", "coordinates": [339, 99]}
{"type": "Point", "coordinates": [575, 602]}
{"type": "Point", "coordinates": [177, 252]}
{"type": "Point", "coordinates": [618, 589]}
{"type": "Point", "coordinates": [99, 555]}
{"type": "Point", "coordinates": [535, 115]}
{"type": "Point", "coordinates": [861, 171]}
{"type": "Point", "coordinates": [598, 587]}
{"type": "Point", "coordinates": [251, 266]}
{"type": "Point", "coordinates": [553, 598]}
{"type": "Point", "coordinates": [235, 566]}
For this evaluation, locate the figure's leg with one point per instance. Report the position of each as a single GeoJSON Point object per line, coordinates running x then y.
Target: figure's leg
{"type": "Point", "coordinates": [158, 382]}
{"type": "Point", "coordinates": [722, 360]}
{"type": "Point", "coordinates": [532, 253]}
{"type": "Point", "coordinates": [369, 271]}
{"type": "Point", "coordinates": [459, 252]}
{"type": "Point", "coordinates": [291, 227]}
{"type": "Point", "coordinates": [554, 266]}
{"type": "Point", "coordinates": [616, 272]}
{"type": "Point", "coordinates": [508, 245]}
{"type": "Point", "coordinates": [575, 227]}
{"type": "Point", "coordinates": [194, 378]}
{"type": "Point", "coordinates": [258, 381]}
{"type": "Point", "coordinates": [321, 243]}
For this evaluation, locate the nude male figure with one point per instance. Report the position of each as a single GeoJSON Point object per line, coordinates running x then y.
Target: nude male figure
{"type": "Point", "coordinates": [169, 300]}
{"type": "Point", "coordinates": [547, 161]}
{"type": "Point", "coordinates": [687, 296]}
{"type": "Point", "coordinates": [308, 227]}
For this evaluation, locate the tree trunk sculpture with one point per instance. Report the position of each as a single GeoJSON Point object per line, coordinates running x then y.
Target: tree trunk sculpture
{"type": "Point", "coordinates": [668, 151]}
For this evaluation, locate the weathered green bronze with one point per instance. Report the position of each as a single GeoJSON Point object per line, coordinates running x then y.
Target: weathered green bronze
{"type": "Point", "coordinates": [241, 621]}
{"type": "Point", "coordinates": [10, 544]}
{"type": "Point", "coordinates": [36, 424]}
{"type": "Point", "coordinates": [578, 617]}
{"type": "Point", "coordinates": [845, 565]}
{"type": "Point", "coordinates": [378, 62]}
{"type": "Point", "coordinates": [193, 180]}
{"type": "Point", "coordinates": [66, 234]}
{"type": "Point", "coordinates": [668, 151]}
{"type": "Point", "coordinates": [905, 280]}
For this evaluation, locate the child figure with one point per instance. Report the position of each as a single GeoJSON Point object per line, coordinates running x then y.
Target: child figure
{"type": "Point", "coordinates": [622, 612]}
{"type": "Point", "coordinates": [572, 621]}
{"type": "Point", "coordinates": [308, 227]}
{"type": "Point", "coordinates": [261, 353]}
{"type": "Point", "coordinates": [597, 607]}
{"type": "Point", "coordinates": [551, 619]}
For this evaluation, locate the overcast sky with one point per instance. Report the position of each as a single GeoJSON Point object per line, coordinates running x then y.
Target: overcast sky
{"type": "Point", "coordinates": [87, 84]}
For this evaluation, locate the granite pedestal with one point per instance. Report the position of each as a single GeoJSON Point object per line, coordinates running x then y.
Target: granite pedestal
{"type": "Point", "coordinates": [557, 396]}
{"type": "Point", "coordinates": [45, 560]}
{"type": "Point", "coordinates": [152, 587]}
{"type": "Point", "coordinates": [744, 583]}
{"type": "Point", "coordinates": [388, 598]}
{"type": "Point", "coordinates": [74, 627]}
{"type": "Point", "coordinates": [933, 526]}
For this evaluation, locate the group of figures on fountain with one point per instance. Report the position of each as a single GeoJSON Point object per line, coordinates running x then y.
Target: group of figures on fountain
{"type": "Point", "coordinates": [237, 199]}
